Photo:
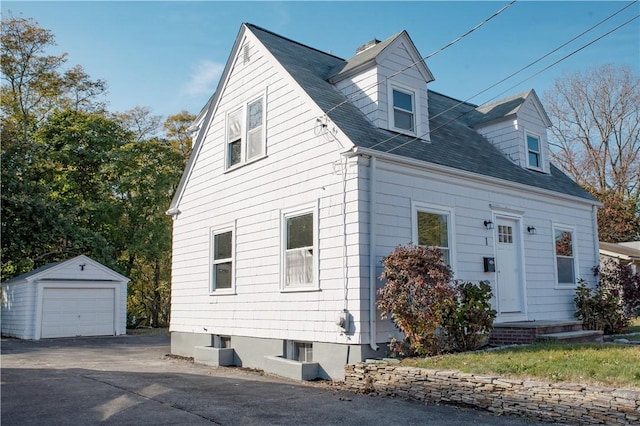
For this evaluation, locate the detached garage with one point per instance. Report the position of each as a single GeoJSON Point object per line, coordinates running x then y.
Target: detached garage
{"type": "Point", "coordinates": [77, 297]}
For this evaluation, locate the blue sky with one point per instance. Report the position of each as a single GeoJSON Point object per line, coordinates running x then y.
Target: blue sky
{"type": "Point", "coordinates": [168, 56]}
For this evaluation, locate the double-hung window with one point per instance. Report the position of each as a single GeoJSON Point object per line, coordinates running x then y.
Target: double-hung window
{"type": "Point", "coordinates": [245, 133]}
{"type": "Point", "coordinates": [403, 110]}
{"type": "Point", "coordinates": [534, 152]}
{"type": "Point", "coordinates": [299, 250]}
{"type": "Point", "coordinates": [564, 239]}
{"type": "Point", "coordinates": [234, 138]}
{"type": "Point", "coordinates": [222, 261]}
{"type": "Point", "coordinates": [255, 120]}
{"type": "Point", "coordinates": [433, 228]}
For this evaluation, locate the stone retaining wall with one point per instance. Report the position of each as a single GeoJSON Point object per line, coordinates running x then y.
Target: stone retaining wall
{"type": "Point", "coordinates": [554, 402]}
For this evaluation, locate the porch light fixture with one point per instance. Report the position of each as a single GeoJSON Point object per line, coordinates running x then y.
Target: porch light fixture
{"type": "Point", "coordinates": [531, 230]}
{"type": "Point", "coordinates": [488, 224]}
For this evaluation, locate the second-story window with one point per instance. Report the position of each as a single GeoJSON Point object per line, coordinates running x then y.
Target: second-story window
{"type": "Point", "coordinates": [245, 133]}
{"type": "Point", "coordinates": [533, 152]}
{"type": "Point", "coordinates": [234, 138]}
{"type": "Point", "coordinates": [254, 129]}
{"type": "Point", "coordinates": [403, 110]}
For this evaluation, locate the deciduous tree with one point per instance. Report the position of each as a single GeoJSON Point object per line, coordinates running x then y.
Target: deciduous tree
{"type": "Point", "coordinates": [596, 140]}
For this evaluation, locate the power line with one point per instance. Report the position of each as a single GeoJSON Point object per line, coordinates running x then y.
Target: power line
{"type": "Point", "coordinates": [512, 75]}
{"type": "Point", "coordinates": [422, 59]}
{"type": "Point", "coordinates": [520, 82]}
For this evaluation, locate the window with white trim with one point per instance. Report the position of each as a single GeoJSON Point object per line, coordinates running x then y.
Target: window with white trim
{"type": "Point", "coordinates": [234, 138]}
{"type": "Point", "coordinates": [534, 152]}
{"type": "Point", "coordinates": [299, 254]}
{"type": "Point", "coordinates": [565, 252]}
{"type": "Point", "coordinates": [245, 133]}
{"type": "Point", "coordinates": [403, 110]}
{"type": "Point", "coordinates": [432, 228]}
{"type": "Point", "coordinates": [222, 261]}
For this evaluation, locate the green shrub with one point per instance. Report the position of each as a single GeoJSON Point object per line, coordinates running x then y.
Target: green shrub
{"type": "Point", "coordinates": [469, 324]}
{"type": "Point", "coordinates": [602, 309]}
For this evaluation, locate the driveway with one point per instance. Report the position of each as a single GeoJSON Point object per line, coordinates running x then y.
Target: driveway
{"type": "Point", "coordinates": [130, 380]}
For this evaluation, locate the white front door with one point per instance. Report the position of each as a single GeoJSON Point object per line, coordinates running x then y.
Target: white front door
{"type": "Point", "coordinates": [510, 291]}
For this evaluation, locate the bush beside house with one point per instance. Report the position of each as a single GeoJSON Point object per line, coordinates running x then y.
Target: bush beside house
{"type": "Point", "coordinates": [434, 313]}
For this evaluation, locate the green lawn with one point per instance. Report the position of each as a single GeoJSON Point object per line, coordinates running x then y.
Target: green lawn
{"type": "Point", "coordinates": [634, 327]}
{"type": "Point", "coordinates": [601, 364]}
{"type": "Point", "coordinates": [148, 331]}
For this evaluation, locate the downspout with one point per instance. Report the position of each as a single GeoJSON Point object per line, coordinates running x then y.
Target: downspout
{"type": "Point", "coordinates": [372, 254]}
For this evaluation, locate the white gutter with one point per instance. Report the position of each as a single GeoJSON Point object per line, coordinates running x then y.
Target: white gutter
{"type": "Point", "coordinates": [372, 255]}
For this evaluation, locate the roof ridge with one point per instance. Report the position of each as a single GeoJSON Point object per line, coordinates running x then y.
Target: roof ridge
{"type": "Point", "coordinates": [250, 25]}
{"type": "Point", "coordinates": [508, 98]}
{"type": "Point", "coordinates": [452, 98]}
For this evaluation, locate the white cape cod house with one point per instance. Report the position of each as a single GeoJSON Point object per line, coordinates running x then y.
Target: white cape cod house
{"type": "Point", "coordinates": [307, 169]}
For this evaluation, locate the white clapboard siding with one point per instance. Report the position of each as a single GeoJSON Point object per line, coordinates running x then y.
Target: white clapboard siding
{"type": "Point", "coordinates": [303, 168]}
{"type": "Point", "coordinates": [299, 170]}
{"type": "Point", "coordinates": [397, 67]}
{"type": "Point", "coordinates": [368, 90]}
{"type": "Point", "coordinates": [363, 91]}
{"type": "Point", "coordinates": [470, 200]}
{"type": "Point", "coordinates": [509, 135]}
{"type": "Point", "coordinates": [18, 312]}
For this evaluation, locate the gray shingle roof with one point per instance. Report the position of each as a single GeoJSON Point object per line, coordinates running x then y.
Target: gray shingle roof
{"type": "Point", "coordinates": [360, 59]}
{"type": "Point", "coordinates": [453, 141]}
{"type": "Point", "coordinates": [500, 109]}
{"type": "Point", "coordinates": [31, 273]}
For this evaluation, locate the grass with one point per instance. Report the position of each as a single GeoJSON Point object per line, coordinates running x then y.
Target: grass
{"type": "Point", "coordinates": [605, 365]}
{"type": "Point", "coordinates": [634, 327]}
{"type": "Point", "coordinates": [148, 331]}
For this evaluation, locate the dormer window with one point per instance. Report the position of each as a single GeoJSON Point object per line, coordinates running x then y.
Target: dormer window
{"type": "Point", "coordinates": [403, 110]}
{"type": "Point", "coordinates": [534, 152]}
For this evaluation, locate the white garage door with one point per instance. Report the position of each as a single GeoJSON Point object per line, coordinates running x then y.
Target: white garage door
{"type": "Point", "coordinates": [70, 312]}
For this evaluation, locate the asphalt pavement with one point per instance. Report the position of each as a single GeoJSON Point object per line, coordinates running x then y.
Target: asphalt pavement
{"type": "Point", "coordinates": [131, 380]}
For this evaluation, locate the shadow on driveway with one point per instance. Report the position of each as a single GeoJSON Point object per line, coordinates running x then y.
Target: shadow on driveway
{"type": "Point", "coordinates": [129, 380]}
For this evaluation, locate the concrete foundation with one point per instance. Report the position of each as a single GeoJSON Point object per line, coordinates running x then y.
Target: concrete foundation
{"type": "Point", "coordinates": [291, 369]}
{"type": "Point", "coordinates": [214, 356]}
{"type": "Point", "coordinates": [328, 363]}
{"type": "Point", "coordinates": [184, 344]}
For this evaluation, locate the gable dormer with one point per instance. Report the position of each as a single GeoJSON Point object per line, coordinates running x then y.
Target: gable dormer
{"type": "Point", "coordinates": [387, 80]}
{"type": "Point", "coordinates": [517, 126]}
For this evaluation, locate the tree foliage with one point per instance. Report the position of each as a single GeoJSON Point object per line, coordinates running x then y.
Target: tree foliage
{"type": "Point", "coordinates": [177, 129]}
{"type": "Point", "coordinates": [35, 84]}
{"type": "Point", "coordinates": [596, 140]}
{"type": "Point", "coordinates": [79, 180]}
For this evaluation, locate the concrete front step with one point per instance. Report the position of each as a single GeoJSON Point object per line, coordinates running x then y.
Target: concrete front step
{"type": "Point", "coordinates": [582, 336]}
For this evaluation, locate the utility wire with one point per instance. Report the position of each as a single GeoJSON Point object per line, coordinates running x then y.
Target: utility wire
{"type": "Point", "coordinates": [515, 73]}
{"type": "Point", "coordinates": [422, 59]}
{"type": "Point", "coordinates": [515, 85]}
